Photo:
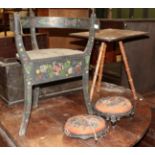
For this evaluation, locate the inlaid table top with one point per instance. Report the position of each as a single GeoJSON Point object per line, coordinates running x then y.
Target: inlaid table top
{"type": "Point", "coordinates": [109, 35]}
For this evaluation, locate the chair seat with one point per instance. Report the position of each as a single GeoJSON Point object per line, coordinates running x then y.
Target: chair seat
{"type": "Point", "coordinates": [52, 53]}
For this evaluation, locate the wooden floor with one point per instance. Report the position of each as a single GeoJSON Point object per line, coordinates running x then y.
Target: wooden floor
{"type": "Point", "coordinates": [47, 122]}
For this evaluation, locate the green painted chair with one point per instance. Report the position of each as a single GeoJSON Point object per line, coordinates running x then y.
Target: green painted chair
{"type": "Point", "coordinates": [52, 64]}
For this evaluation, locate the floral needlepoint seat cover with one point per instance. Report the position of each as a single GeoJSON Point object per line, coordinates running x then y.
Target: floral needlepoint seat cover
{"type": "Point", "coordinates": [85, 126]}
{"type": "Point", "coordinates": [114, 106]}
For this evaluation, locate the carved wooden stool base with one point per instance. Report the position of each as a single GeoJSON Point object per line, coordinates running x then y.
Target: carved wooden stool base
{"type": "Point", "coordinates": [114, 108]}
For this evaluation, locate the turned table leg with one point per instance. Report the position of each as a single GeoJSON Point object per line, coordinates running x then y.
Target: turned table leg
{"type": "Point", "coordinates": [127, 68]}
{"type": "Point", "coordinates": [100, 73]}
{"type": "Point", "coordinates": [96, 71]}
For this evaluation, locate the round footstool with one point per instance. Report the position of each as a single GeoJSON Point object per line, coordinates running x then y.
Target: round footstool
{"type": "Point", "coordinates": [85, 126]}
{"type": "Point", "coordinates": [113, 108]}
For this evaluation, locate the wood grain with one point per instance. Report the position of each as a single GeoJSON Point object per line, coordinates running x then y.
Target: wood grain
{"type": "Point", "coordinates": [47, 122]}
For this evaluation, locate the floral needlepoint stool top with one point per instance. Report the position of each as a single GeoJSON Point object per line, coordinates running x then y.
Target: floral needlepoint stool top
{"type": "Point", "coordinates": [114, 107]}
{"type": "Point", "coordinates": [85, 126]}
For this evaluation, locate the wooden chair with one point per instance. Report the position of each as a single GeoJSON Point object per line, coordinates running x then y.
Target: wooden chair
{"type": "Point", "coordinates": [47, 65]}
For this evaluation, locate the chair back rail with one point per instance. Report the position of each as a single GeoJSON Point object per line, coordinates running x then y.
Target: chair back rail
{"type": "Point", "coordinates": [56, 22]}
{"type": "Point", "coordinates": [33, 22]}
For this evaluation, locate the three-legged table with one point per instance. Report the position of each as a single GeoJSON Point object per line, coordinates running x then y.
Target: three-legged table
{"type": "Point", "coordinates": [107, 36]}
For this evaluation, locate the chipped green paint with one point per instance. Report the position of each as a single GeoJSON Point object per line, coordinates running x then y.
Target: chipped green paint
{"type": "Point", "coordinates": [25, 22]}
{"type": "Point", "coordinates": [43, 22]}
{"type": "Point", "coordinates": [87, 59]}
{"type": "Point", "coordinates": [28, 69]}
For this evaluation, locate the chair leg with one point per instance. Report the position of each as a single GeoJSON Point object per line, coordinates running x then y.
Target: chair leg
{"type": "Point", "coordinates": [85, 85]}
{"type": "Point", "coordinates": [36, 92]}
{"type": "Point", "coordinates": [27, 108]}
